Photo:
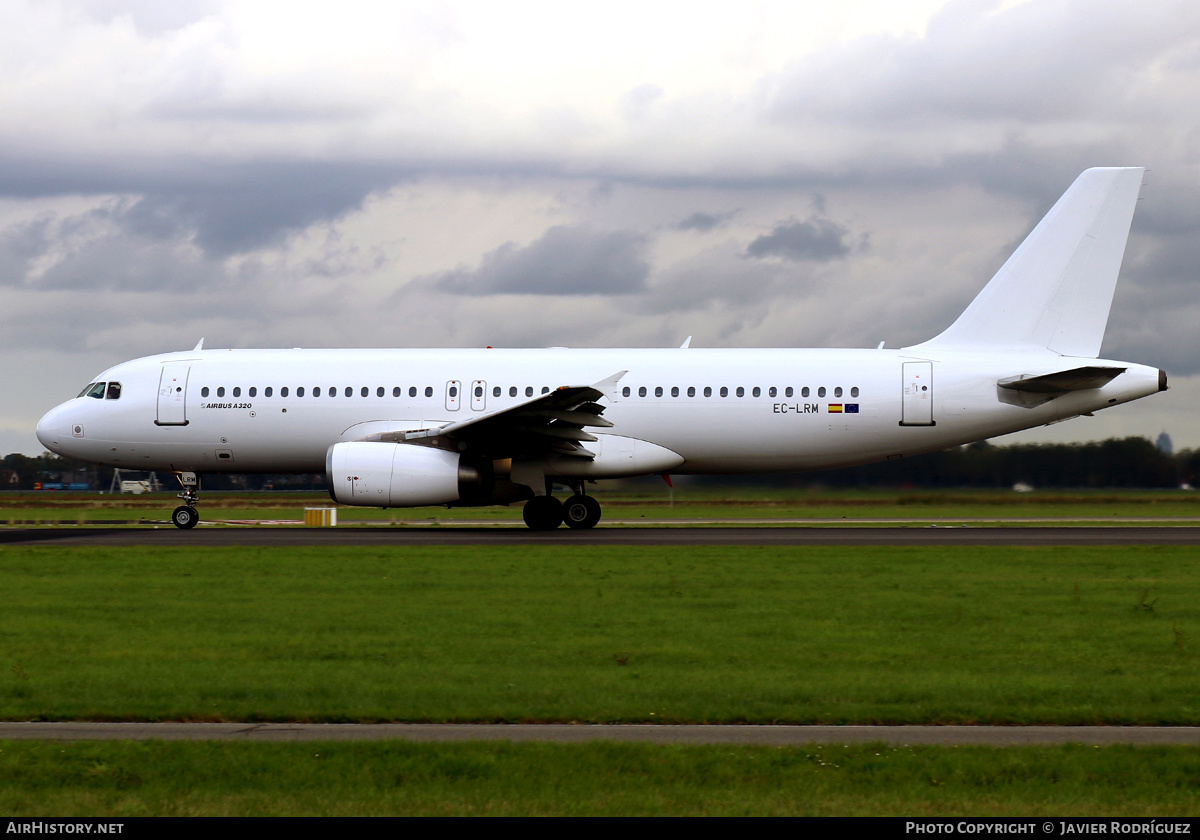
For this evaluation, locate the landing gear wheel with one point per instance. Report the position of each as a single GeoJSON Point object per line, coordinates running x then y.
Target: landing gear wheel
{"type": "Point", "coordinates": [581, 512]}
{"type": "Point", "coordinates": [543, 513]}
{"type": "Point", "coordinates": [185, 516]}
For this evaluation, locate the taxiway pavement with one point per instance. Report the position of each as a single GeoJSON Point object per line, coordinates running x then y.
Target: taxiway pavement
{"type": "Point", "coordinates": [656, 536]}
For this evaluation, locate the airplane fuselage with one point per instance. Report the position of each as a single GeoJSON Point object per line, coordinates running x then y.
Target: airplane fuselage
{"type": "Point", "coordinates": [719, 411]}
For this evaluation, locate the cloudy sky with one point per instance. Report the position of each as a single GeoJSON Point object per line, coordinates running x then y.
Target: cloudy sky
{"type": "Point", "coordinates": [754, 174]}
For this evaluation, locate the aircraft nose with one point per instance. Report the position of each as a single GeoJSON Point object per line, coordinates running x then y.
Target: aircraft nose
{"type": "Point", "coordinates": [49, 429]}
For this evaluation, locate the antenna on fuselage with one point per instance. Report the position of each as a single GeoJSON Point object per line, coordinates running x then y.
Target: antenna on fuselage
{"type": "Point", "coordinates": [687, 342]}
{"type": "Point", "coordinates": [199, 345]}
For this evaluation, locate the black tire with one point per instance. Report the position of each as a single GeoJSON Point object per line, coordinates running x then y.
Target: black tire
{"type": "Point", "coordinates": [543, 513]}
{"type": "Point", "coordinates": [185, 517]}
{"type": "Point", "coordinates": [581, 512]}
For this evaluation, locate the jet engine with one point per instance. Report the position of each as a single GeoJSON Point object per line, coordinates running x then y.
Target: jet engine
{"type": "Point", "coordinates": [376, 474]}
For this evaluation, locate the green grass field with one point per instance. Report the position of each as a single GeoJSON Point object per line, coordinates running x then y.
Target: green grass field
{"type": "Point", "coordinates": [504, 779]}
{"type": "Point", "coordinates": [1069, 635]}
{"type": "Point", "coordinates": [796, 635]}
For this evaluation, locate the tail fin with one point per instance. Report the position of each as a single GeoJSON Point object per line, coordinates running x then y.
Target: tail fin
{"type": "Point", "coordinates": [1056, 289]}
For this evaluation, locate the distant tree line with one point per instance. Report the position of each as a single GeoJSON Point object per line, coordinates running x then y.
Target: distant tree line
{"type": "Point", "coordinates": [23, 472]}
{"type": "Point", "coordinates": [1116, 462]}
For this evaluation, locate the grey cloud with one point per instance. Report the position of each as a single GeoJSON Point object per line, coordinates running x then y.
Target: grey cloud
{"type": "Point", "coordinates": [704, 222]}
{"type": "Point", "coordinates": [565, 261]}
{"type": "Point", "coordinates": [117, 263]}
{"type": "Point", "coordinates": [99, 250]}
{"type": "Point", "coordinates": [20, 245]}
{"type": "Point", "coordinates": [225, 209]}
{"type": "Point", "coordinates": [815, 239]}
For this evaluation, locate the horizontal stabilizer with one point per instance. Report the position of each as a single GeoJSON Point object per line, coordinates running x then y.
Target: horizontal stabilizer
{"type": "Point", "coordinates": [1076, 379]}
{"type": "Point", "coordinates": [1032, 391]}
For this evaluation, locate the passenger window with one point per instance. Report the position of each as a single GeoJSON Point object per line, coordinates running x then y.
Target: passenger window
{"type": "Point", "coordinates": [350, 391]}
{"type": "Point", "coordinates": [283, 392]}
{"type": "Point", "coordinates": [317, 391]}
{"type": "Point", "coordinates": [788, 392]}
{"type": "Point", "coordinates": [221, 391]}
{"type": "Point", "coordinates": [691, 390]}
{"type": "Point", "coordinates": [529, 390]}
{"type": "Point", "coordinates": [804, 392]}
{"type": "Point", "coordinates": [707, 391]}
{"type": "Point", "coordinates": [741, 392]}
{"type": "Point", "coordinates": [253, 391]}
{"type": "Point", "coordinates": [757, 392]}
{"type": "Point", "coordinates": [114, 391]}
{"type": "Point", "coordinates": [512, 390]}
{"type": "Point", "coordinates": [773, 391]}
{"type": "Point", "coordinates": [268, 391]}
{"type": "Point", "coordinates": [545, 390]}
{"type": "Point", "coordinates": [395, 391]}
{"type": "Point", "coordinates": [724, 391]}
{"type": "Point", "coordinates": [854, 391]}
{"type": "Point", "coordinates": [204, 391]}
{"type": "Point", "coordinates": [412, 391]}
{"type": "Point", "coordinates": [496, 391]}
{"type": "Point", "coordinates": [625, 391]}
{"type": "Point", "coordinates": [674, 390]}
{"type": "Point", "coordinates": [237, 392]}
{"type": "Point", "coordinates": [658, 391]}
{"type": "Point", "coordinates": [821, 391]}
{"type": "Point", "coordinates": [642, 391]}
{"type": "Point", "coordinates": [428, 391]}
{"type": "Point", "coordinates": [837, 392]}
{"type": "Point", "coordinates": [453, 392]}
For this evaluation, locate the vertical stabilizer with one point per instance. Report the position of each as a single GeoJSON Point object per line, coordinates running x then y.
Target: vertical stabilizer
{"type": "Point", "coordinates": [1056, 289]}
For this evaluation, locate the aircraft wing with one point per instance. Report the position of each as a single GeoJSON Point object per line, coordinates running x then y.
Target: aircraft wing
{"type": "Point", "coordinates": [551, 423]}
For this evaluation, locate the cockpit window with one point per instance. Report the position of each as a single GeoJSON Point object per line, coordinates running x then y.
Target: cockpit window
{"type": "Point", "coordinates": [95, 391]}
{"type": "Point", "coordinates": [114, 391]}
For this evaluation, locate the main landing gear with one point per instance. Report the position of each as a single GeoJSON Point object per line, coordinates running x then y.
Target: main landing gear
{"type": "Point", "coordinates": [545, 513]}
{"type": "Point", "coordinates": [185, 516]}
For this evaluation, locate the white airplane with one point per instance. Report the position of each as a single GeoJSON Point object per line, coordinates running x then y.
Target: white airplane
{"type": "Point", "coordinates": [407, 428]}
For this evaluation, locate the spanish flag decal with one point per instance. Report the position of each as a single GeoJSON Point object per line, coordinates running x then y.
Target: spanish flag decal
{"type": "Point", "coordinates": [835, 408]}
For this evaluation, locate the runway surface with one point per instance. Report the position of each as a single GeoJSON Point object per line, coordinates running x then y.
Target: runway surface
{"type": "Point", "coordinates": [998, 736]}
{"type": "Point", "coordinates": [679, 536]}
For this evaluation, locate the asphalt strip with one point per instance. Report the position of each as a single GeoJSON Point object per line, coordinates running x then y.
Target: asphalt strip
{"type": "Point", "coordinates": [998, 736]}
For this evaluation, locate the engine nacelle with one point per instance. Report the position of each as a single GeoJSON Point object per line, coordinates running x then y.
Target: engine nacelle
{"type": "Point", "coordinates": [375, 474]}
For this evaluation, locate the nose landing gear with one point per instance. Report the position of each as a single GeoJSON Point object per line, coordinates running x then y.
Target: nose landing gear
{"type": "Point", "coordinates": [185, 516]}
